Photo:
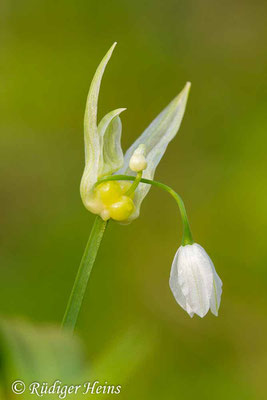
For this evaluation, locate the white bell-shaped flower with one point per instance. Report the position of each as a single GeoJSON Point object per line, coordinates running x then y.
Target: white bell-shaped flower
{"type": "Point", "coordinates": [194, 281]}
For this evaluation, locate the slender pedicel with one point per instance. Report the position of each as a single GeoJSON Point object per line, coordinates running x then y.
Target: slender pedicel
{"type": "Point", "coordinates": [187, 235]}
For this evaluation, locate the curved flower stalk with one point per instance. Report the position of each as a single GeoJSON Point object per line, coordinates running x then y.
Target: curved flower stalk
{"type": "Point", "coordinates": [194, 281]}
{"type": "Point", "coordinates": [104, 156]}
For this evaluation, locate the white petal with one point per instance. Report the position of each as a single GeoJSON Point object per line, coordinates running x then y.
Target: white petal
{"type": "Point", "coordinates": [195, 277]}
{"type": "Point", "coordinates": [174, 284]}
{"type": "Point", "coordinates": [215, 299]}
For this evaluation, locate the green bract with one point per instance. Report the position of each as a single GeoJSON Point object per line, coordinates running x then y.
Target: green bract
{"type": "Point", "coordinates": [103, 153]}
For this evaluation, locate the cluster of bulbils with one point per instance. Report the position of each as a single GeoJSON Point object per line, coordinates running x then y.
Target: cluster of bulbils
{"type": "Point", "coordinates": [114, 199]}
{"type": "Point", "coordinates": [110, 200]}
{"type": "Point", "coordinates": [193, 279]}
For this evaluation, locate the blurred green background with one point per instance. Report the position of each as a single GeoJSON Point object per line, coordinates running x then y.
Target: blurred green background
{"type": "Point", "coordinates": [49, 52]}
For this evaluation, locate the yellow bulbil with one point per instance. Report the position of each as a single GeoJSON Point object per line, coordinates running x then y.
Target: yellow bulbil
{"type": "Point", "coordinates": [112, 202]}
{"type": "Point", "coordinates": [109, 192]}
{"type": "Point", "coordinates": [122, 209]}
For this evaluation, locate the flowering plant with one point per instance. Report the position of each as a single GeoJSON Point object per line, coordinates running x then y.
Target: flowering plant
{"type": "Point", "coordinates": [114, 185]}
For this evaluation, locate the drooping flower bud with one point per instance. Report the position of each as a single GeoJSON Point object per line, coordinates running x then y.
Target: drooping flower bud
{"type": "Point", "coordinates": [194, 281]}
{"type": "Point", "coordinates": [138, 160]}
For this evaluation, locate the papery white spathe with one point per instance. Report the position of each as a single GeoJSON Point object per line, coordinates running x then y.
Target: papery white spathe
{"type": "Point", "coordinates": [194, 281]}
{"type": "Point", "coordinates": [103, 152]}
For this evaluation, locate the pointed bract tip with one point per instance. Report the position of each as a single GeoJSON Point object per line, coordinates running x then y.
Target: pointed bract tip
{"type": "Point", "coordinates": [110, 51]}
{"type": "Point", "coordinates": [113, 46]}
{"type": "Point", "coordinates": [185, 92]}
{"type": "Point", "coordinates": [187, 87]}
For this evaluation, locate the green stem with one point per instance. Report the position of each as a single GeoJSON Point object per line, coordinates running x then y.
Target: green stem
{"type": "Point", "coordinates": [84, 271]}
{"type": "Point", "coordinates": [187, 235]}
{"type": "Point", "coordinates": [134, 184]}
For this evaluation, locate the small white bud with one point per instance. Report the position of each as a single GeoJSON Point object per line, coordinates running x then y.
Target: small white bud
{"type": "Point", "coordinates": [138, 161]}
